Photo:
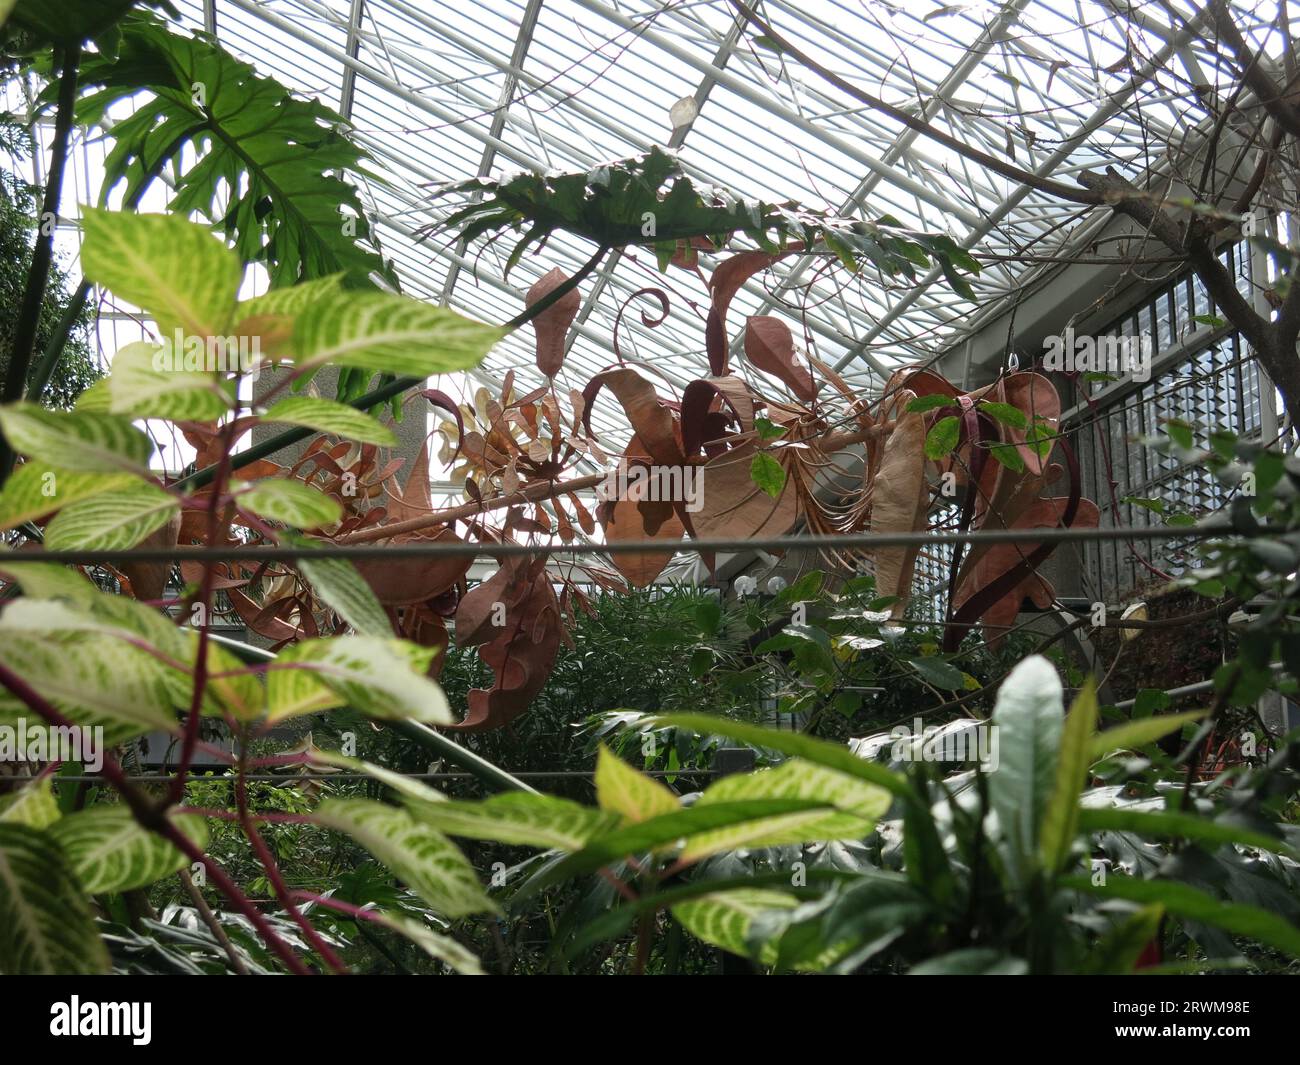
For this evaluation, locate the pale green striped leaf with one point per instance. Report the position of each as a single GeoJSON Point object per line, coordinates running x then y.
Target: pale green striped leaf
{"type": "Point", "coordinates": [389, 334]}
{"type": "Point", "coordinates": [519, 818]}
{"type": "Point", "coordinates": [47, 580]}
{"type": "Point", "coordinates": [419, 855]}
{"type": "Point", "coordinates": [32, 805]}
{"type": "Point", "coordinates": [438, 946]}
{"type": "Point", "coordinates": [178, 272]}
{"type": "Point", "coordinates": [345, 591]}
{"type": "Point", "coordinates": [326, 416]}
{"type": "Point", "coordinates": [291, 502]}
{"type": "Point", "coordinates": [95, 399]}
{"type": "Point", "coordinates": [94, 679]}
{"type": "Point", "coordinates": [46, 927]}
{"type": "Point", "coordinates": [110, 851]}
{"type": "Point", "coordinates": [284, 303]}
{"type": "Point", "coordinates": [151, 381]}
{"type": "Point", "coordinates": [37, 489]}
{"type": "Point", "coordinates": [856, 807]}
{"type": "Point", "coordinates": [76, 440]}
{"type": "Point", "coordinates": [380, 677]}
{"type": "Point", "coordinates": [413, 792]}
{"type": "Point", "coordinates": [630, 794]}
{"type": "Point", "coordinates": [112, 521]}
{"type": "Point", "coordinates": [724, 919]}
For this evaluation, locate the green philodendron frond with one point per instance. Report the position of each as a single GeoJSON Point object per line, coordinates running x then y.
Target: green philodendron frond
{"type": "Point", "coordinates": [648, 200]}
{"type": "Point", "coordinates": [267, 168]}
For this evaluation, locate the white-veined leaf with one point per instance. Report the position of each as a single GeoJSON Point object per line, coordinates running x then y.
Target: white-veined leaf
{"type": "Point", "coordinates": [46, 927]}
{"type": "Point", "coordinates": [426, 860]}
{"type": "Point", "coordinates": [291, 502]}
{"type": "Point", "coordinates": [438, 946]}
{"type": "Point", "coordinates": [36, 489]}
{"type": "Point", "coordinates": [723, 919]}
{"type": "Point", "coordinates": [151, 381]}
{"type": "Point", "coordinates": [389, 334]}
{"type": "Point", "coordinates": [95, 679]}
{"type": "Point", "coordinates": [857, 805]}
{"type": "Point", "coordinates": [110, 851]}
{"type": "Point", "coordinates": [84, 441]}
{"type": "Point", "coordinates": [626, 792]}
{"type": "Point", "coordinates": [176, 271]}
{"type": "Point", "coordinates": [519, 818]}
{"type": "Point", "coordinates": [32, 805]}
{"type": "Point", "coordinates": [326, 416]}
{"type": "Point", "coordinates": [380, 677]}
{"type": "Point", "coordinates": [345, 591]}
{"type": "Point", "coordinates": [111, 521]}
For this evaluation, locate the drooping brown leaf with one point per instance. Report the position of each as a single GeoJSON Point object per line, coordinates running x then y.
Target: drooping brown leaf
{"type": "Point", "coordinates": [899, 500]}
{"type": "Point", "coordinates": [769, 346]}
{"type": "Point", "coordinates": [552, 325]}
{"type": "Point", "coordinates": [404, 581]}
{"type": "Point", "coordinates": [734, 507]}
{"type": "Point", "coordinates": [652, 421]}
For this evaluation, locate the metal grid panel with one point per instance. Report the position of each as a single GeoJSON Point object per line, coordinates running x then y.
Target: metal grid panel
{"type": "Point", "coordinates": [439, 91]}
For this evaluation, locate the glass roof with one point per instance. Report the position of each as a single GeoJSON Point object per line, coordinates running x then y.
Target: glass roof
{"type": "Point", "coordinates": [441, 91]}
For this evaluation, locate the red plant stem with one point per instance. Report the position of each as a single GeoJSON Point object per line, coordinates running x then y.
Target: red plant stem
{"type": "Point", "coordinates": [177, 790]}
{"type": "Point", "coordinates": [154, 819]}
{"type": "Point", "coordinates": [342, 907]}
{"type": "Point", "coordinates": [273, 874]}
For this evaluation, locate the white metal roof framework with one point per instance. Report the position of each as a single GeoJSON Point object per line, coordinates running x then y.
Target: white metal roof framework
{"type": "Point", "coordinates": [439, 91]}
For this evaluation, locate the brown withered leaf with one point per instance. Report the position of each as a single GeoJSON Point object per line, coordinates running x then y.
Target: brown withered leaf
{"type": "Point", "coordinates": [769, 346]}
{"type": "Point", "coordinates": [552, 325]}
{"type": "Point", "coordinates": [899, 500]}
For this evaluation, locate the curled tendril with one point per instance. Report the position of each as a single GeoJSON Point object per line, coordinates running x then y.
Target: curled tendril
{"type": "Point", "coordinates": [647, 319]}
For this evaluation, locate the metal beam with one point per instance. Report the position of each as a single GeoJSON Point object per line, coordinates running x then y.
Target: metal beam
{"type": "Point", "coordinates": [517, 59]}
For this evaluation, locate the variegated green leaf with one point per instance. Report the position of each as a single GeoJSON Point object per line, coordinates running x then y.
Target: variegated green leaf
{"type": "Point", "coordinates": [519, 818]}
{"type": "Point", "coordinates": [413, 792]}
{"type": "Point", "coordinates": [389, 334]}
{"type": "Point", "coordinates": [32, 805]}
{"type": "Point", "coordinates": [46, 927]}
{"type": "Point", "coordinates": [178, 272]}
{"type": "Point", "coordinates": [291, 502]}
{"type": "Point", "coordinates": [326, 416]}
{"type": "Point", "coordinates": [112, 521]}
{"type": "Point", "coordinates": [47, 580]}
{"type": "Point", "coordinates": [724, 919]}
{"type": "Point", "coordinates": [36, 489]}
{"type": "Point", "coordinates": [54, 605]}
{"type": "Point", "coordinates": [345, 591]}
{"type": "Point", "coordinates": [438, 946]}
{"type": "Point", "coordinates": [76, 440]}
{"type": "Point", "coordinates": [94, 679]}
{"type": "Point", "coordinates": [380, 677]}
{"type": "Point", "coordinates": [421, 856]}
{"type": "Point", "coordinates": [95, 399]}
{"type": "Point", "coordinates": [857, 805]}
{"type": "Point", "coordinates": [630, 794]}
{"type": "Point", "coordinates": [284, 304]}
{"type": "Point", "coordinates": [109, 851]}
{"type": "Point", "coordinates": [152, 381]}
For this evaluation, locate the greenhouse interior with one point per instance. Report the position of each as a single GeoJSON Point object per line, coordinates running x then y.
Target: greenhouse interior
{"type": "Point", "coordinates": [649, 487]}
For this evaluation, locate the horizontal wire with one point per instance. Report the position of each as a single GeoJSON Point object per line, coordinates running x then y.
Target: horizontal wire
{"type": "Point", "coordinates": [325, 778]}
{"type": "Point", "coordinates": [440, 549]}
